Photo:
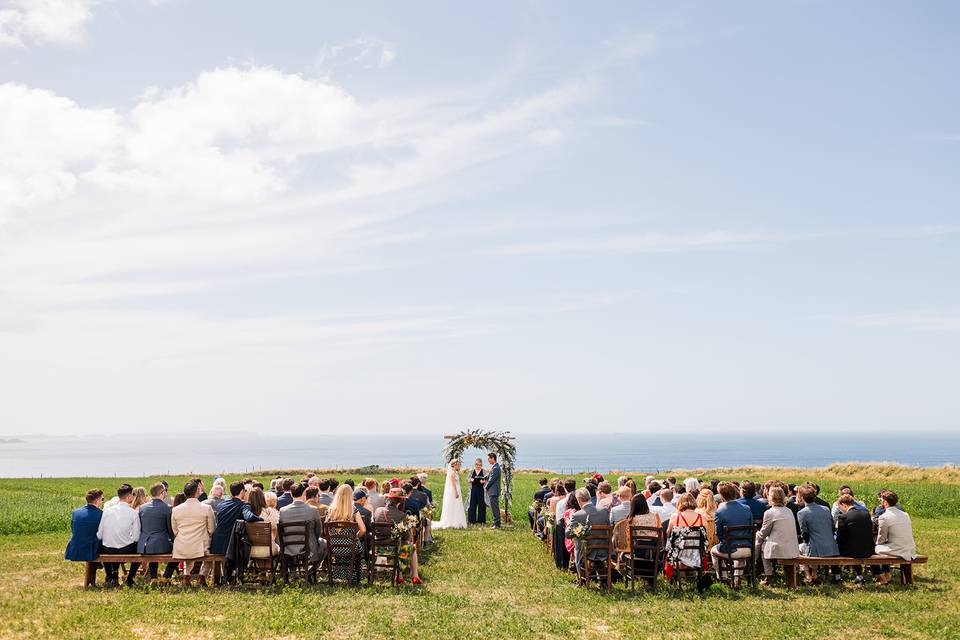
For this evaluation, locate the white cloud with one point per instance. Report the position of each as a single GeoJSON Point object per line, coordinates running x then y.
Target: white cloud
{"type": "Point", "coordinates": [43, 21]}
{"type": "Point", "coordinates": [650, 243]}
{"type": "Point", "coordinates": [365, 52]}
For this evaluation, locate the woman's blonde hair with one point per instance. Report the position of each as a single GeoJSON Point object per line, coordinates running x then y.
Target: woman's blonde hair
{"type": "Point", "coordinates": [341, 510]}
{"type": "Point", "coordinates": [139, 497]}
{"type": "Point", "coordinates": [271, 499]}
{"type": "Point", "coordinates": [706, 501]}
{"type": "Point", "coordinates": [686, 501]}
{"type": "Point", "coordinates": [776, 496]}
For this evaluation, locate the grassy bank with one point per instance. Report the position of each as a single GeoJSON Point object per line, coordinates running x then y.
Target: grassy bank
{"type": "Point", "coordinates": [481, 584]}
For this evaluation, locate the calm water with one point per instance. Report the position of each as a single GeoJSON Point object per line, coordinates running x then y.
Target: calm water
{"type": "Point", "coordinates": [106, 456]}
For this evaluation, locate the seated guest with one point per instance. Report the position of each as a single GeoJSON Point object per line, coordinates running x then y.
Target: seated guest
{"type": "Point", "coordinates": [692, 486]}
{"type": "Point", "coordinates": [326, 491]}
{"type": "Point", "coordinates": [654, 489]}
{"type": "Point", "coordinates": [259, 507]}
{"type": "Point", "coordinates": [418, 492]}
{"type": "Point", "coordinates": [299, 511]}
{"type": "Point", "coordinates": [538, 496]}
{"type": "Point", "coordinates": [156, 530]}
{"type": "Point", "coordinates": [647, 489]}
{"type": "Point", "coordinates": [666, 508]}
{"type": "Point", "coordinates": [139, 498]}
{"type": "Point", "coordinates": [360, 502]}
{"type": "Point", "coordinates": [392, 513]}
{"type": "Point", "coordinates": [854, 532]}
{"type": "Point", "coordinates": [571, 506]}
{"type": "Point", "coordinates": [192, 522]}
{"type": "Point", "coordinates": [604, 499]}
{"type": "Point", "coordinates": [622, 510]}
{"type": "Point", "coordinates": [816, 530]}
{"type": "Point", "coordinates": [118, 533]}
{"type": "Point", "coordinates": [894, 535]}
{"type": "Point", "coordinates": [312, 497]}
{"type": "Point", "coordinates": [412, 502]}
{"type": "Point", "coordinates": [422, 477]}
{"type": "Point", "coordinates": [777, 537]}
{"type": "Point", "coordinates": [374, 497]}
{"type": "Point", "coordinates": [285, 497]}
{"type": "Point", "coordinates": [748, 498]}
{"type": "Point", "coordinates": [685, 521]}
{"type": "Point", "coordinates": [228, 513]}
{"type": "Point", "coordinates": [590, 515]}
{"type": "Point", "coordinates": [216, 496]}
{"type": "Point", "coordinates": [343, 511]}
{"type": "Point", "coordinates": [84, 523]}
{"type": "Point", "coordinates": [707, 507]}
{"type": "Point", "coordinates": [731, 513]}
{"type": "Point", "coordinates": [845, 490]}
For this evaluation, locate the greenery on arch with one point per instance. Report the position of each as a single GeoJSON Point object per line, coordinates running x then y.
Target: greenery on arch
{"type": "Point", "coordinates": [499, 442]}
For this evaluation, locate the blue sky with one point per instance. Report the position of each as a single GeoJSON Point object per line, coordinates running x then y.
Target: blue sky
{"type": "Point", "coordinates": [533, 216]}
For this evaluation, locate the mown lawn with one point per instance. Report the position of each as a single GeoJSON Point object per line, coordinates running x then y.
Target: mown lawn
{"type": "Point", "coordinates": [481, 583]}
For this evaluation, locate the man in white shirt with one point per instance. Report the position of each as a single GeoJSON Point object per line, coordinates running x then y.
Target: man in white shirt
{"type": "Point", "coordinates": [666, 509]}
{"type": "Point", "coordinates": [118, 533]}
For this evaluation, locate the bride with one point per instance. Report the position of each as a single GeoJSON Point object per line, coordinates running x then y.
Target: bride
{"type": "Point", "coordinates": [452, 515]}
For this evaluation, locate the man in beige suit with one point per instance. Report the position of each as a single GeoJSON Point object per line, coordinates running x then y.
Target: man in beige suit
{"type": "Point", "coordinates": [193, 523]}
{"type": "Point", "coordinates": [894, 535]}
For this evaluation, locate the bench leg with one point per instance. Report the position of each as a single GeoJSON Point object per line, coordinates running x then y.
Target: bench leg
{"type": "Point", "coordinates": [906, 573]}
{"type": "Point", "coordinates": [90, 574]}
{"type": "Point", "coordinates": [790, 574]}
{"type": "Point", "coordinates": [217, 572]}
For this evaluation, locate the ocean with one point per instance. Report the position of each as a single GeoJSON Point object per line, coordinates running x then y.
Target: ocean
{"type": "Point", "coordinates": [186, 453]}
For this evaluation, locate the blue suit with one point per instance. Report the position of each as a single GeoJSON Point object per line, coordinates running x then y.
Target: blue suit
{"type": "Point", "coordinates": [285, 498]}
{"type": "Point", "coordinates": [84, 544]}
{"type": "Point", "coordinates": [816, 529]}
{"type": "Point", "coordinates": [732, 514]}
{"type": "Point", "coordinates": [756, 507]}
{"type": "Point", "coordinates": [156, 532]}
{"type": "Point", "coordinates": [228, 512]}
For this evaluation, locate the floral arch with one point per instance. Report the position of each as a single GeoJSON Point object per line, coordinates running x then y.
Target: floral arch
{"type": "Point", "coordinates": [499, 442]}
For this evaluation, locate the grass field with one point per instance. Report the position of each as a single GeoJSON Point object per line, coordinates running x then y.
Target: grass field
{"type": "Point", "coordinates": [481, 583]}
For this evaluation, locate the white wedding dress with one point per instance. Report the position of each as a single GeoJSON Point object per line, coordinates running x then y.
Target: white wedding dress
{"type": "Point", "coordinates": [452, 515]}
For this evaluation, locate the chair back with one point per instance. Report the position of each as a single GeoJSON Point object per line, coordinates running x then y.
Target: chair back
{"type": "Point", "coordinates": [260, 534]}
{"type": "Point", "coordinates": [740, 536]}
{"type": "Point", "coordinates": [645, 550]}
{"type": "Point", "coordinates": [694, 539]}
{"type": "Point", "coordinates": [293, 538]}
{"type": "Point", "coordinates": [598, 539]}
{"type": "Point", "coordinates": [341, 537]}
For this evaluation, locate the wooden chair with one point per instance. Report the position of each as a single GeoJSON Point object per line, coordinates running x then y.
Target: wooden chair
{"type": "Point", "coordinates": [643, 560]}
{"type": "Point", "coordinates": [342, 553]}
{"type": "Point", "coordinates": [384, 552]}
{"type": "Point", "coordinates": [694, 539]}
{"type": "Point", "coordinates": [741, 536]}
{"type": "Point", "coordinates": [260, 534]}
{"type": "Point", "coordinates": [295, 535]}
{"type": "Point", "coordinates": [598, 540]}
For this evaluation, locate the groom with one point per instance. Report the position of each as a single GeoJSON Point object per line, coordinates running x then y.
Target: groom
{"type": "Point", "coordinates": [492, 488]}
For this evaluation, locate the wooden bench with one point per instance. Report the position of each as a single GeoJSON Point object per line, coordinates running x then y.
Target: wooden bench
{"type": "Point", "coordinates": [906, 566]}
{"type": "Point", "coordinates": [90, 575]}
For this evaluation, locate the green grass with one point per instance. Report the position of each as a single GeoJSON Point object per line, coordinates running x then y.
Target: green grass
{"type": "Point", "coordinates": [481, 584]}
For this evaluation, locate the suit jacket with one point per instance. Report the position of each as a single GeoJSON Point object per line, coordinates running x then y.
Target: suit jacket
{"type": "Point", "coordinates": [213, 502]}
{"type": "Point", "coordinates": [816, 529]}
{"type": "Point", "coordinates": [492, 488]}
{"type": "Point", "coordinates": [778, 534]}
{"type": "Point", "coordinates": [228, 512]}
{"type": "Point", "coordinates": [756, 507]}
{"type": "Point", "coordinates": [414, 502]}
{"type": "Point", "coordinates": [855, 533]}
{"type": "Point", "coordinates": [325, 498]}
{"type": "Point", "coordinates": [375, 500]}
{"type": "Point", "coordinates": [427, 493]}
{"type": "Point", "coordinates": [541, 493]}
{"type": "Point", "coordinates": [731, 514]}
{"type": "Point", "coordinates": [300, 511]}
{"type": "Point", "coordinates": [84, 523]}
{"type": "Point", "coordinates": [590, 515]}
{"type": "Point", "coordinates": [193, 523]}
{"type": "Point", "coordinates": [284, 499]}
{"type": "Point", "coordinates": [156, 530]}
{"type": "Point", "coordinates": [895, 535]}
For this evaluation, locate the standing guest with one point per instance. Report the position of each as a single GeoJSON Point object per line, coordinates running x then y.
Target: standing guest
{"type": "Point", "coordinates": [228, 513]}
{"type": "Point", "coordinates": [604, 497]}
{"type": "Point", "coordinates": [374, 497]}
{"type": "Point", "coordinates": [816, 530]}
{"type": "Point", "coordinates": [260, 507]}
{"type": "Point", "coordinates": [748, 498]}
{"type": "Point", "coordinates": [894, 535]}
{"type": "Point", "coordinates": [285, 497]}
{"type": "Point", "coordinates": [216, 496]}
{"type": "Point", "coordinates": [139, 498]}
{"type": "Point", "coordinates": [854, 532]}
{"type": "Point", "coordinates": [707, 507]}
{"type": "Point", "coordinates": [477, 508]}
{"type": "Point", "coordinates": [178, 500]}
{"type": "Point", "coordinates": [118, 533]}
{"type": "Point", "coordinates": [84, 544]}
{"type": "Point", "coordinates": [201, 491]}
{"type": "Point", "coordinates": [168, 500]}
{"type": "Point", "coordinates": [492, 488]}
{"type": "Point", "coordinates": [845, 490]}
{"type": "Point", "coordinates": [156, 530]}
{"type": "Point", "coordinates": [622, 510]}
{"type": "Point", "coordinates": [422, 477]}
{"type": "Point", "coordinates": [193, 523]}
{"type": "Point", "coordinates": [777, 537]}
{"type": "Point", "coordinates": [731, 514]}
{"type": "Point", "coordinates": [590, 515]}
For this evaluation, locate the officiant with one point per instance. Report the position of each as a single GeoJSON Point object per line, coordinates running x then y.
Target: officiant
{"type": "Point", "coordinates": [477, 511]}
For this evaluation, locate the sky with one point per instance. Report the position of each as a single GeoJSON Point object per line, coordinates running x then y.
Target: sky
{"type": "Point", "coordinates": [547, 217]}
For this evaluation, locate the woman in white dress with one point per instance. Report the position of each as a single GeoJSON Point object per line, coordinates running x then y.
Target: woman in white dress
{"type": "Point", "coordinates": [452, 514]}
